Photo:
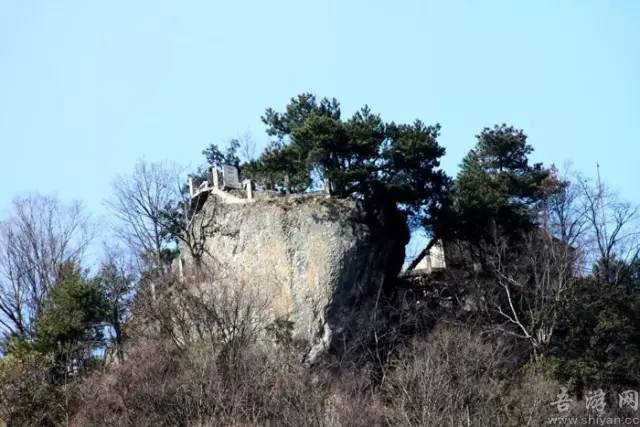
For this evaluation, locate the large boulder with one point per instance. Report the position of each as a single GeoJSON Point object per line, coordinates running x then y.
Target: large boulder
{"type": "Point", "coordinates": [320, 262]}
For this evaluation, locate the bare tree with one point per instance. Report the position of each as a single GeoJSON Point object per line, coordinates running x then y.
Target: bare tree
{"type": "Point", "coordinates": [532, 273]}
{"type": "Point", "coordinates": [190, 225]}
{"type": "Point", "coordinates": [40, 235]}
{"type": "Point", "coordinates": [564, 213]}
{"type": "Point", "coordinates": [614, 228]}
{"type": "Point", "coordinates": [247, 147]}
{"type": "Point", "coordinates": [582, 224]}
{"type": "Point", "coordinates": [139, 201]}
{"type": "Point", "coordinates": [530, 280]}
{"type": "Point", "coordinates": [117, 279]}
{"type": "Point", "coordinates": [214, 309]}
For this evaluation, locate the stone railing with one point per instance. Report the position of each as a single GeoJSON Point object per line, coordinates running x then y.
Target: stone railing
{"type": "Point", "coordinates": [215, 183]}
{"type": "Point", "coordinates": [223, 188]}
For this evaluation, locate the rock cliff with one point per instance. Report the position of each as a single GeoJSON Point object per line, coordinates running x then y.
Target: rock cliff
{"type": "Point", "coordinates": [321, 262]}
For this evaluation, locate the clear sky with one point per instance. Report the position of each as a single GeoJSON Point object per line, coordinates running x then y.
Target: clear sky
{"type": "Point", "coordinates": [87, 88]}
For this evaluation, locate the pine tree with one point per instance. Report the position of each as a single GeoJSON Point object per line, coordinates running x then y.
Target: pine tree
{"type": "Point", "coordinates": [497, 190]}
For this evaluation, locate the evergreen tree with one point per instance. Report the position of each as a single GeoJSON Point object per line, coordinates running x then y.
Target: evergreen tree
{"type": "Point", "coordinates": [72, 321]}
{"type": "Point", "coordinates": [497, 190]}
{"type": "Point", "coordinates": [597, 342]}
{"type": "Point", "coordinates": [218, 158]}
{"type": "Point", "coordinates": [384, 164]}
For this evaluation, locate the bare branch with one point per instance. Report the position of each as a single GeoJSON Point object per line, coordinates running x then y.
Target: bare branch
{"type": "Point", "coordinates": [40, 236]}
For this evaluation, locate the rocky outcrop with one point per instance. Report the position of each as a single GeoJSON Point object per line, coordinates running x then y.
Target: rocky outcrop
{"type": "Point", "coordinates": [321, 262]}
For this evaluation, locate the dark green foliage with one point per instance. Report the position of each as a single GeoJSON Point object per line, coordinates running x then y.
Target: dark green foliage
{"type": "Point", "coordinates": [384, 164]}
{"type": "Point", "coordinates": [597, 342]}
{"type": "Point", "coordinates": [631, 276]}
{"type": "Point", "coordinates": [117, 284]}
{"type": "Point", "coordinates": [618, 272]}
{"type": "Point", "coordinates": [73, 317]}
{"type": "Point", "coordinates": [215, 157]}
{"type": "Point", "coordinates": [36, 377]}
{"type": "Point", "coordinates": [497, 190]}
{"type": "Point", "coordinates": [410, 173]}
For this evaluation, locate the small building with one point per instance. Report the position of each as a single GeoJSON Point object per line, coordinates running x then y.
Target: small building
{"type": "Point", "coordinates": [441, 255]}
{"type": "Point", "coordinates": [432, 258]}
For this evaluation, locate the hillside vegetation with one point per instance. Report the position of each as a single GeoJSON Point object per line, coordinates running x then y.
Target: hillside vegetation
{"type": "Point", "coordinates": [536, 317]}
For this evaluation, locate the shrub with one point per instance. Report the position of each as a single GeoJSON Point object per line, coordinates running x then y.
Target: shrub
{"type": "Point", "coordinates": [27, 395]}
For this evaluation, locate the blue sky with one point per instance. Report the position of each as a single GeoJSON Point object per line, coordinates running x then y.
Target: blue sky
{"type": "Point", "coordinates": [87, 88]}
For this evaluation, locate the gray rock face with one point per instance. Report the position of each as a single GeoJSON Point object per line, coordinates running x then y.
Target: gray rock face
{"type": "Point", "coordinates": [319, 262]}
